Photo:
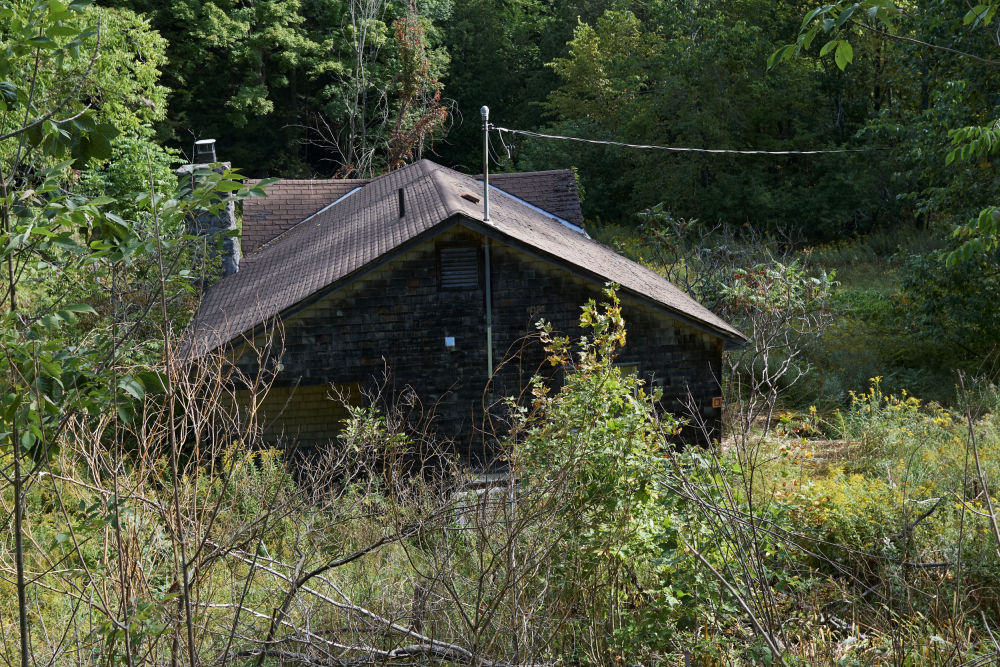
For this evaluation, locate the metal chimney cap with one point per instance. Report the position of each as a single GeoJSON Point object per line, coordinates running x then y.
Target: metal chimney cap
{"type": "Point", "coordinates": [204, 151]}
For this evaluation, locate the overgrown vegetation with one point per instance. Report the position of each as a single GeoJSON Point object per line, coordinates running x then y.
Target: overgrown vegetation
{"type": "Point", "coordinates": [864, 536]}
{"type": "Point", "coordinates": [849, 516]}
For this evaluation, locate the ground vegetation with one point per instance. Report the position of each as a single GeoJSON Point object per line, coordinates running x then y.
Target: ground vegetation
{"type": "Point", "coordinates": [848, 515]}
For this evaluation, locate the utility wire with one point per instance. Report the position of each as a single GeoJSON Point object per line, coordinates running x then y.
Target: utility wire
{"type": "Point", "coordinates": [499, 159]}
{"type": "Point", "coordinates": [677, 149]}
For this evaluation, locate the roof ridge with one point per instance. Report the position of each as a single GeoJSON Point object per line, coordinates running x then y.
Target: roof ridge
{"type": "Point", "coordinates": [528, 173]}
{"type": "Point", "coordinates": [450, 200]}
{"type": "Point", "coordinates": [310, 181]}
{"type": "Point", "coordinates": [426, 165]}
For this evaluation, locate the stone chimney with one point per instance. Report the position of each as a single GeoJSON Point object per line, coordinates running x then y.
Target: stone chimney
{"type": "Point", "coordinates": [218, 227]}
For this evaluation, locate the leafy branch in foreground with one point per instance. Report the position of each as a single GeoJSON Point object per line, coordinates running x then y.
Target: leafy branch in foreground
{"type": "Point", "coordinates": [888, 20]}
{"type": "Point", "coordinates": [69, 343]}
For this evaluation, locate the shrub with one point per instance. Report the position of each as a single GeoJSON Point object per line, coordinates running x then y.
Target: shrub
{"type": "Point", "coordinates": [598, 444]}
{"type": "Point", "coordinates": [953, 306]}
{"type": "Point", "coordinates": [903, 515]}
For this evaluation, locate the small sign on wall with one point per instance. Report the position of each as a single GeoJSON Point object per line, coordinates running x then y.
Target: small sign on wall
{"type": "Point", "coordinates": [716, 401]}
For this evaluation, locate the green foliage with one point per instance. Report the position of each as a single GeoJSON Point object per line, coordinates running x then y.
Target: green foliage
{"type": "Point", "coordinates": [867, 337]}
{"type": "Point", "coordinates": [980, 238]}
{"type": "Point", "coordinates": [607, 68]}
{"type": "Point", "coordinates": [600, 429]}
{"type": "Point", "coordinates": [600, 425]}
{"type": "Point", "coordinates": [659, 73]}
{"type": "Point", "coordinates": [125, 87]}
{"type": "Point", "coordinates": [879, 425]}
{"type": "Point", "coordinates": [282, 84]}
{"type": "Point", "coordinates": [55, 364]}
{"type": "Point", "coordinates": [56, 48]}
{"type": "Point", "coordinates": [898, 491]}
{"type": "Point", "coordinates": [136, 164]}
{"type": "Point", "coordinates": [953, 304]}
{"type": "Point", "coordinates": [774, 287]}
{"type": "Point", "coordinates": [967, 72]}
{"type": "Point", "coordinates": [229, 60]}
{"type": "Point", "coordinates": [499, 51]}
{"type": "Point", "coordinates": [75, 344]}
{"type": "Point", "coordinates": [45, 372]}
{"type": "Point", "coordinates": [606, 516]}
{"type": "Point", "coordinates": [832, 21]}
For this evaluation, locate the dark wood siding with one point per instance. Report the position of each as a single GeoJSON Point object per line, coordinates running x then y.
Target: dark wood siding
{"type": "Point", "coordinates": [399, 316]}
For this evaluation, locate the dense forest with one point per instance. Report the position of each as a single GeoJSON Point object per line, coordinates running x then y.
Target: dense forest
{"type": "Point", "coordinates": [851, 230]}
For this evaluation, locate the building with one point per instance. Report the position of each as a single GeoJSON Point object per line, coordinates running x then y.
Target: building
{"type": "Point", "coordinates": [402, 271]}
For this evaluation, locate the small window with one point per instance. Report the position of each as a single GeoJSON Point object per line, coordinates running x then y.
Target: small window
{"type": "Point", "coordinates": [632, 368]}
{"type": "Point", "coordinates": [628, 367]}
{"type": "Point", "coordinates": [459, 268]}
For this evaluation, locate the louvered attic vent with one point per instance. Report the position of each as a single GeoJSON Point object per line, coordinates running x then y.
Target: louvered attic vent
{"type": "Point", "coordinates": [459, 268]}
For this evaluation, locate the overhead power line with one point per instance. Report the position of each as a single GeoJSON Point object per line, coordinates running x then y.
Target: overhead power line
{"type": "Point", "coordinates": [679, 149]}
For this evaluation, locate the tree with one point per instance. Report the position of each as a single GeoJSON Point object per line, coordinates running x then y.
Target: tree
{"type": "Point", "coordinates": [390, 104]}
{"type": "Point", "coordinates": [289, 87]}
{"type": "Point", "coordinates": [693, 75]}
{"type": "Point", "coordinates": [46, 69]}
{"type": "Point", "coordinates": [940, 70]}
{"type": "Point", "coordinates": [238, 73]}
{"type": "Point", "coordinates": [501, 50]}
{"type": "Point", "coordinates": [68, 338]}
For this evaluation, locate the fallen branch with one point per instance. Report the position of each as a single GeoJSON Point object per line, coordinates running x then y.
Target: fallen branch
{"type": "Point", "coordinates": [425, 645]}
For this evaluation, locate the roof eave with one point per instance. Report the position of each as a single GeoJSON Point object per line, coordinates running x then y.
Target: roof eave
{"type": "Point", "coordinates": [292, 310]}
{"type": "Point", "coordinates": [731, 340]}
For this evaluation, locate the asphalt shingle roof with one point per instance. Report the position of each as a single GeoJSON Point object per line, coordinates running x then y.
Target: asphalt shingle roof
{"type": "Point", "coordinates": [288, 202]}
{"type": "Point", "coordinates": [553, 191]}
{"type": "Point", "coordinates": [342, 239]}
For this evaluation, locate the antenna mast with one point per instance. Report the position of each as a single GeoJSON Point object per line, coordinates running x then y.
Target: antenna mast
{"type": "Point", "coordinates": [485, 113]}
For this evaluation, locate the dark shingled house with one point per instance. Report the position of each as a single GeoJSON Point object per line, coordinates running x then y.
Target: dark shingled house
{"type": "Point", "coordinates": [402, 271]}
